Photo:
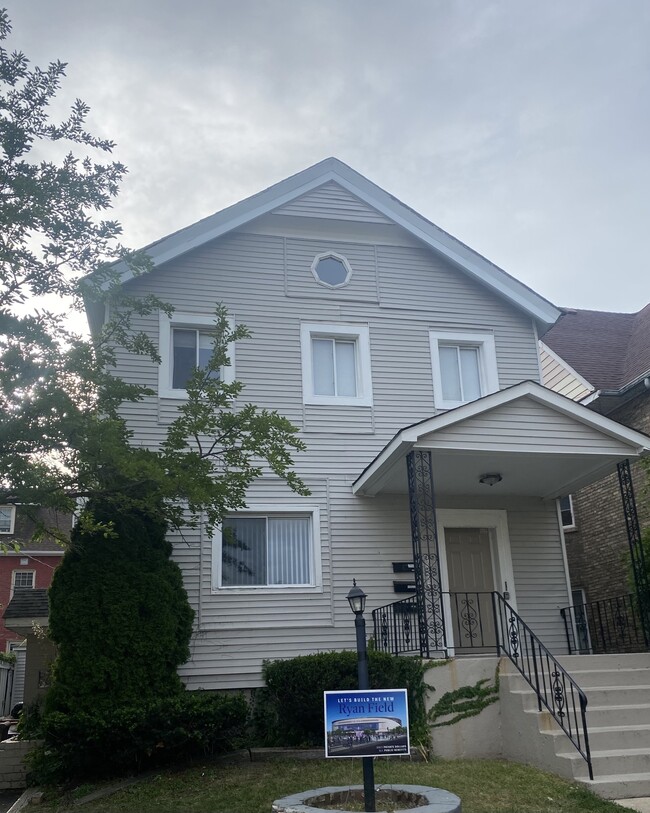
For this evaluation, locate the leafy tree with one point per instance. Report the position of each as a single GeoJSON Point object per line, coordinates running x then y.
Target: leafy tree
{"type": "Point", "coordinates": [62, 436]}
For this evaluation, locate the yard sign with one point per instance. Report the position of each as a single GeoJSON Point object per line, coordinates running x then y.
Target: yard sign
{"type": "Point", "coordinates": [366, 723]}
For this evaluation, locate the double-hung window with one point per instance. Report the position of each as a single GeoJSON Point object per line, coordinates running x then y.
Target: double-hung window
{"type": "Point", "coordinates": [7, 518]}
{"type": "Point", "coordinates": [272, 549]}
{"type": "Point", "coordinates": [336, 364]}
{"type": "Point", "coordinates": [464, 367]}
{"type": "Point", "coordinates": [186, 343]}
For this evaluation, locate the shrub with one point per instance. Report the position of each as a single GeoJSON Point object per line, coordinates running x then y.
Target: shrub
{"type": "Point", "coordinates": [288, 711]}
{"type": "Point", "coordinates": [119, 616]}
{"type": "Point", "coordinates": [82, 745]}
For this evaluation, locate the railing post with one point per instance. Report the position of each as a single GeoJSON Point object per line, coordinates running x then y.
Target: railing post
{"type": "Point", "coordinates": [566, 629]}
{"type": "Point", "coordinates": [639, 569]}
{"type": "Point", "coordinates": [583, 715]}
{"type": "Point", "coordinates": [539, 698]}
{"type": "Point", "coordinates": [495, 595]}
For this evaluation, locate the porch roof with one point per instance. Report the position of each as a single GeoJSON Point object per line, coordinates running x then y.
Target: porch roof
{"type": "Point", "coordinates": [541, 443]}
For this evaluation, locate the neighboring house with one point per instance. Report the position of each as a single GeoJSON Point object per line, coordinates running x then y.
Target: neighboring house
{"type": "Point", "coordinates": [602, 360]}
{"type": "Point", "coordinates": [410, 364]}
{"type": "Point", "coordinates": [26, 564]}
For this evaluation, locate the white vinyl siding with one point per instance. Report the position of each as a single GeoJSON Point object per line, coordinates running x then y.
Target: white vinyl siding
{"type": "Point", "coordinates": [398, 293]}
{"type": "Point", "coordinates": [559, 377]}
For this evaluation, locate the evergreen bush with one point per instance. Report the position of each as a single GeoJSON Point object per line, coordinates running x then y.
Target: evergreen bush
{"type": "Point", "coordinates": [288, 711]}
{"type": "Point", "coordinates": [119, 616]}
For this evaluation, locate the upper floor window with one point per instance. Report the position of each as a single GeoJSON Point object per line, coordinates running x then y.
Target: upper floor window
{"type": "Point", "coordinates": [567, 514]}
{"type": "Point", "coordinates": [331, 270]}
{"type": "Point", "coordinates": [7, 518]}
{"type": "Point", "coordinates": [268, 548]}
{"type": "Point", "coordinates": [464, 367]}
{"type": "Point", "coordinates": [186, 343]}
{"type": "Point", "coordinates": [336, 364]}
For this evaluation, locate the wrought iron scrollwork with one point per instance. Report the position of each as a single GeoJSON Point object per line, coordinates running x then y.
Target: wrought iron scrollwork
{"type": "Point", "coordinates": [559, 699]}
{"type": "Point", "coordinates": [469, 618]}
{"type": "Point", "coordinates": [426, 558]}
{"type": "Point", "coordinates": [513, 635]}
{"type": "Point", "coordinates": [383, 628]}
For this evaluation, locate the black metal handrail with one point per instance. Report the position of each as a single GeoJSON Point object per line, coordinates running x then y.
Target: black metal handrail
{"type": "Point", "coordinates": [605, 626]}
{"type": "Point", "coordinates": [554, 687]}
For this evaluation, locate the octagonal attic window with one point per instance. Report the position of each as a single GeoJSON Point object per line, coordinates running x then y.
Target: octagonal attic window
{"type": "Point", "coordinates": [331, 270]}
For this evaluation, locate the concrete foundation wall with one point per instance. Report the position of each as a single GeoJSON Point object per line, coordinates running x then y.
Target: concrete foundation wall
{"type": "Point", "coordinates": [479, 736]}
{"type": "Point", "coordinates": [13, 771]}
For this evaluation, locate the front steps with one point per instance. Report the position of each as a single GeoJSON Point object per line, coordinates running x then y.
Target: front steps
{"type": "Point", "coordinates": [618, 721]}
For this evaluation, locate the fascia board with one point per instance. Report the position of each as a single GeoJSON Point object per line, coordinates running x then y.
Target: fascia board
{"type": "Point", "coordinates": [455, 251]}
{"type": "Point", "coordinates": [368, 482]}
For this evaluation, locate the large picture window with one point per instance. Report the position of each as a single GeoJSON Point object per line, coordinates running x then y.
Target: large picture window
{"type": "Point", "coordinates": [186, 342]}
{"type": "Point", "coordinates": [268, 550]}
{"type": "Point", "coordinates": [464, 367]}
{"type": "Point", "coordinates": [336, 364]}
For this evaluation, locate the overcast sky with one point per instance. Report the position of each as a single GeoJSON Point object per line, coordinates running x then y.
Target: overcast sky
{"type": "Point", "coordinates": [521, 127]}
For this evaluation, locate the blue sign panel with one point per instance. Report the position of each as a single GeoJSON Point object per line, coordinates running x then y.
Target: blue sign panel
{"type": "Point", "coordinates": [368, 723]}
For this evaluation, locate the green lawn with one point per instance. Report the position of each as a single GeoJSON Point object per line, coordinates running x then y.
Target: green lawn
{"type": "Point", "coordinates": [483, 786]}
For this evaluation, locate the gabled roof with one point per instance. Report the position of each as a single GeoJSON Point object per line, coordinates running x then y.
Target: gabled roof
{"type": "Point", "coordinates": [585, 436]}
{"type": "Point", "coordinates": [331, 169]}
{"type": "Point", "coordinates": [609, 350]}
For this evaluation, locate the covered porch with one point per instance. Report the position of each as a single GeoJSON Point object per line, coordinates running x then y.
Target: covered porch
{"type": "Point", "coordinates": [488, 558]}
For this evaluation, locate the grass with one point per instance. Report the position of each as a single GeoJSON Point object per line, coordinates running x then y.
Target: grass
{"type": "Point", "coordinates": [484, 786]}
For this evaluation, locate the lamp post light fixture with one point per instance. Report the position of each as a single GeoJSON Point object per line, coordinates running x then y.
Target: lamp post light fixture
{"type": "Point", "coordinates": [357, 599]}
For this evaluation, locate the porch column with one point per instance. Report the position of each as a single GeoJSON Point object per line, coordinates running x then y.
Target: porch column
{"type": "Point", "coordinates": [426, 557]}
{"type": "Point", "coordinates": [639, 570]}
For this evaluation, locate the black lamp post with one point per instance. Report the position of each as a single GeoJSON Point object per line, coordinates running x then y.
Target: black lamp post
{"type": "Point", "coordinates": [357, 599]}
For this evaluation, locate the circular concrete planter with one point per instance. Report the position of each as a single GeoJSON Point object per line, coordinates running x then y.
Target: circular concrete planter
{"type": "Point", "coordinates": [414, 798]}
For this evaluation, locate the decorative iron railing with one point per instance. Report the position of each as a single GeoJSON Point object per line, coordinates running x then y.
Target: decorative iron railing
{"type": "Point", "coordinates": [556, 690]}
{"type": "Point", "coordinates": [605, 626]}
{"type": "Point", "coordinates": [471, 622]}
{"type": "Point", "coordinates": [396, 627]}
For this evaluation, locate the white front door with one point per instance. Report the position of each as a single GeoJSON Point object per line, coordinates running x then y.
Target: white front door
{"type": "Point", "coordinates": [471, 582]}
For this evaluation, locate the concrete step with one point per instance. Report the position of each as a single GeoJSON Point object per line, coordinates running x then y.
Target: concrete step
{"type": "Point", "coordinates": [597, 696]}
{"type": "Point", "coordinates": [620, 761]}
{"type": "Point", "coordinates": [605, 737]}
{"type": "Point", "coordinates": [629, 676]}
{"type": "Point", "coordinates": [619, 786]}
{"type": "Point", "coordinates": [618, 715]}
{"type": "Point", "coordinates": [616, 661]}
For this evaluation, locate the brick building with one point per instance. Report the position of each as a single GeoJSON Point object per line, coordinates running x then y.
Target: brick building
{"type": "Point", "coordinates": [603, 360]}
{"type": "Point", "coordinates": [26, 564]}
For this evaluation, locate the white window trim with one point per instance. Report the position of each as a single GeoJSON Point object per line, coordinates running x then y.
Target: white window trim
{"type": "Point", "coordinates": [360, 334]}
{"type": "Point", "coordinates": [12, 519]}
{"type": "Point", "coordinates": [181, 320]}
{"type": "Point", "coordinates": [13, 580]}
{"type": "Point", "coordinates": [572, 526]}
{"type": "Point", "coordinates": [487, 362]}
{"type": "Point", "coordinates": [270, 510]}
{"type": "Point", "coordinates": [334, 256]}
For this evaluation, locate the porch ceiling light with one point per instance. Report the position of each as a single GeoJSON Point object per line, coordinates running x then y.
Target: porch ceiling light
{"type": "Point", "coordinates": [357, 599]}
{"type": "Point", "coordinates": [490, 479]}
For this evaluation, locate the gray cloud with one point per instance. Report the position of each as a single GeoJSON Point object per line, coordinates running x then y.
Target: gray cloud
{"type": "Point", "coordinates": [520, 127]}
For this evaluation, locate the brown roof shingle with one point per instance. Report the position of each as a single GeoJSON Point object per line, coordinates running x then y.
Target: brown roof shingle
{"type": "Point", "coordinates": [610, 350]}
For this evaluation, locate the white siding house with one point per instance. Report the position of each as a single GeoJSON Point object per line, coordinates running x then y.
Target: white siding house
{"type": "Point", "coordinates": [379, 336]}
